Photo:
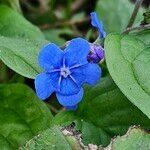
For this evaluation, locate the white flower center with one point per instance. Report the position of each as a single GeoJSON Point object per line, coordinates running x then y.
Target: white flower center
{"type": "Point", "coordinates": [65, 72]}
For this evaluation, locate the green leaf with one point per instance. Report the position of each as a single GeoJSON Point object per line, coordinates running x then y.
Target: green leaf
{"type": "Point", "coordinates": [128, 62]}
{"type": "Point", "coordinates": [20, 43]}
{"type": "Point", "coordinates": [21, 55]}
{"type": "Point", "coordinates": [134, 139]}
{"type": "Point", "coordinates": [54, 35]}
{"type": "Point", "coordinates": [50, 139]}
{"type": "Point", "coordinates": [22, 115]}
{"type": "Point", "coordinates": [104, 113]}
{"type": "Point", "coordinates": [143, 36]}
{"type": "Point", "coordinates": [116, 13]}
{"type": "Point", "coordinates": [13, 4]}
{"type": "Point", "coordinates": [13, 25]}
{"type": "Point", "coordinates": [5, 145]}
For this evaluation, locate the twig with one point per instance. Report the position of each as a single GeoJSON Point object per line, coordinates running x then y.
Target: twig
{"type": "Point", "coordinates": [44, 5]}
{"type": "Point", "coordinates": [134, 13]}
{"type": "Point", "coordinates": [77, 5]}
{"type": "Point", "coordinates": [67, 23]}
{"type": "Point", "coordinates": [141, 27]}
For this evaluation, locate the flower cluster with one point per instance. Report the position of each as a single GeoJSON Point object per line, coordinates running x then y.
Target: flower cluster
{"type": "Point", "coordinates": [65, 71]}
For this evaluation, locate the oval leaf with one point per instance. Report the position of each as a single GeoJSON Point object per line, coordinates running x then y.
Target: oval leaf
{"type": "Point", "coordinates": [13, 24]}
{"type": "Point", "coordinates": [21, 55]}
{"type": "Point", "coordinates": [128, 61]}
{"type": "Point", "coordinates": [22, 115]}
{"type": "Point", "coordinates": [20, 42]}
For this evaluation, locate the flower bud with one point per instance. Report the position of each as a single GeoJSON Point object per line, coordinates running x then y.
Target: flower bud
{"type": "Point", "coordinates": [96, 53]}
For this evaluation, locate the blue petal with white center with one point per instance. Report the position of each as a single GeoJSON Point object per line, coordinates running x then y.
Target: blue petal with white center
{"type": "Point", "coordinates": [65, 72]}
{"type": "Point", "coordinates": [98, 24]}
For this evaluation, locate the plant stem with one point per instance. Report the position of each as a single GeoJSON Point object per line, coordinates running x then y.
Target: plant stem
{"type": "Point", "coordinates": [141, 27]}
{"type": "Point", "coordinates": [134, 13]}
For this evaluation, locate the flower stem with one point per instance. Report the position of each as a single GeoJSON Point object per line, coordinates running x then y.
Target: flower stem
{"type": "Point", "coordinates": [134, 13]}
{"type": "Point", "coordinates": [141, 27]}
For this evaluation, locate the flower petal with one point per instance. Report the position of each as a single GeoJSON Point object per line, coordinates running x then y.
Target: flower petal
{"type": "Point", "coordinates": [78, 75]}
{"type": "Point", "coordinates": [92, 72]}
{"type": "Point", "coordinates": [50, 57]}
{"type": "Point", "coordinates": [70, 100]}
{"type": "Point", "coordinates": [77, 51]}
{"type": "Point", "coordinates": [43, 86]}
{"type": "Point", "coordinates": [89, 73]}
{"type": "Point", "coordinates": [98, 24]}
{"type": "Point", "coordinates": [55, 80]}
{"type": "Point", "coordinates": [68, 87]}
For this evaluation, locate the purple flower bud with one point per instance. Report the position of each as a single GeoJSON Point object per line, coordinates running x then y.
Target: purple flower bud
{"type": "Point", "coordinates": [96, 53]}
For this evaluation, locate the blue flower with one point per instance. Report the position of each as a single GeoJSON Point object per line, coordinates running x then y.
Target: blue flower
{"type": "Point", "coordinates": [65, 71]}
{"type": "Point", "coordinates": [98, 24]}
